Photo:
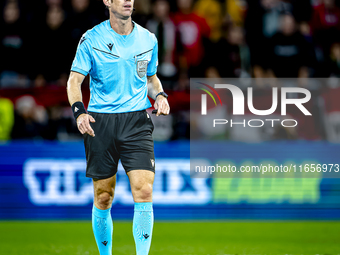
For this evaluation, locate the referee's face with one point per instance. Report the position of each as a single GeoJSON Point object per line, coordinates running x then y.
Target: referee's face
{"type": "Point", "coordinates": [123, 8]}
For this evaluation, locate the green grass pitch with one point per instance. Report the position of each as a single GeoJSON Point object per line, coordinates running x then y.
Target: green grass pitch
{"type": "Point", "coordinates": [189, 238]}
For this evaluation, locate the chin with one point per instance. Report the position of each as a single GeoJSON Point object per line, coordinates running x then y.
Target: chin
{"type": "Point", "coordinates": [126, 14]}
{"type": "Point", "coordinates": [125, 17]}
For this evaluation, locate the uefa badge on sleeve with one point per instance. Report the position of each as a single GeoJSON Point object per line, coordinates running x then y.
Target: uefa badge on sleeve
{"type": "Point", "coordinates": [141, 68]}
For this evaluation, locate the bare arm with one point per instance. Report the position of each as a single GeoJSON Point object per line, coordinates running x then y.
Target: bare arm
{"type": "Point", "coordinates": [161, 103]}
{"type": "Point", "coordinates": [74, 95]}
{"type": "Point", "coordinates": [74, 87]}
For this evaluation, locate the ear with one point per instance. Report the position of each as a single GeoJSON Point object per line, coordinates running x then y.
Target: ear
{"type": "Point", "coordinates": [107, 3]}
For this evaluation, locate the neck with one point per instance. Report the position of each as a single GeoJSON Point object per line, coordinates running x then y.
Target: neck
{"type": "Point", "coordinates": [121, 26]}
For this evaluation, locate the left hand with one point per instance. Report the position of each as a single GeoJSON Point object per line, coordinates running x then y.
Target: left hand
{"type": "Point", "coordinates": [162, 105]}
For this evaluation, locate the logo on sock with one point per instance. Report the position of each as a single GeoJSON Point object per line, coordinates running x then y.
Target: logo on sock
{"type": "Point", "coordinates": [105, 243]}
{"type": "Point", "coordinates": [146, 236]}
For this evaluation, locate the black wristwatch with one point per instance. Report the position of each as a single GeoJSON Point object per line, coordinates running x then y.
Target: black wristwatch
{"type": "Point", "coordinates": [163, 94]}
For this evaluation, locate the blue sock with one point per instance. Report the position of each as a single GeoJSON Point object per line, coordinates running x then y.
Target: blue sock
{"type": "Point", "coordinates": [102, 229]}
{"type": "Point", "coordinates": [142, 227]}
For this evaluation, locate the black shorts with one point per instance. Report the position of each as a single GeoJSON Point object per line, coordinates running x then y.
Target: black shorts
{"type": "Point", "coordinates": [124, 136]}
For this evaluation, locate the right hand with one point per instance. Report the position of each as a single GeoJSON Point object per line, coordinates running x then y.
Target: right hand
{"type": "Point", "coordinates": [83, 123]}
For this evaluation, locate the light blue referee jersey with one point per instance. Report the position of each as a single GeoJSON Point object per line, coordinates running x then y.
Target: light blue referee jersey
{"type": "Point", "coordinates": [118, 66]}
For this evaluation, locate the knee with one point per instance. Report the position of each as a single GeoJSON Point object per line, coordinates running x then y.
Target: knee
{"type": "Point", "coordinates": [143, 193]}
{"type": "Point", "coordinates": [104, 200]}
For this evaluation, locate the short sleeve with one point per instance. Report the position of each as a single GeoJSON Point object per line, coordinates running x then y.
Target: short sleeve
{"type": "Point", "coordinates": [152, 66]}
{"type": "Point", "coordinates": [82, 61]}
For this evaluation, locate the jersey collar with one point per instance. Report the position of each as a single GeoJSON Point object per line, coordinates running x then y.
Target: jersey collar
{"type": "Point", "coordinates": [108, 26]}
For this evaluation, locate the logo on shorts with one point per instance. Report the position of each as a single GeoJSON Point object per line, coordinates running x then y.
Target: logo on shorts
{"type": "Point", "coordinates": [142, 65]}
{"type": "Point", "coordinates": [152, 162]}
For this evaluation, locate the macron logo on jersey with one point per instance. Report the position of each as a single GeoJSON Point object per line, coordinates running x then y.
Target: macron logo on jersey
{"type": "Point", "coordinates": [110, 45]}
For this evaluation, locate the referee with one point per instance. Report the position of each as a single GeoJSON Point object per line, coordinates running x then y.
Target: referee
{"type": "Point", "coordinates": [121, 58]}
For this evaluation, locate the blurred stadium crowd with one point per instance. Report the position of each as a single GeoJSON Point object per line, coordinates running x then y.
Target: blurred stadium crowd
{"type": "Point", "coordinates": [202, 38]}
